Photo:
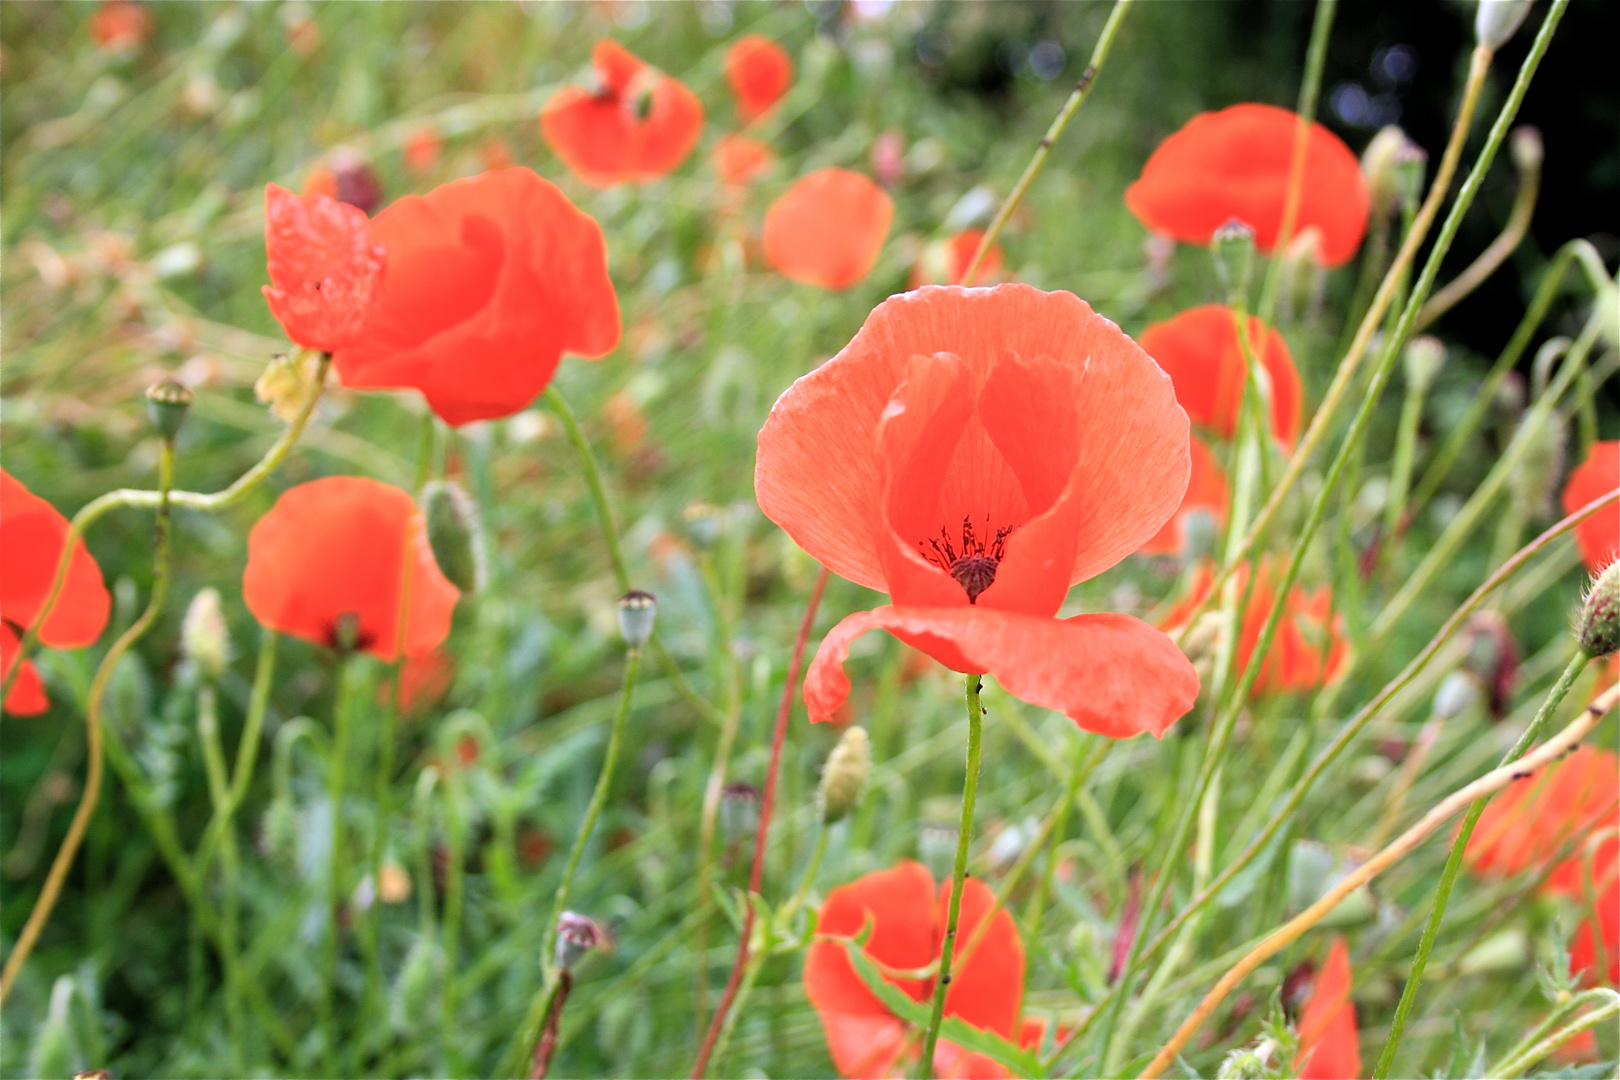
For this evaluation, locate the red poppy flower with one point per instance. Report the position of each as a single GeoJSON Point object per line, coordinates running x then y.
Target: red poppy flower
{"type": "Point", "coordinates": [1329, 1044]}
{"type": "Point", "coordinates": [1599, 535]}
{"type": "Point", "coordinates": [1526, 825]}
{"type": "Point", "coordinates": [490, 280]}
{"type": "Point", "coordinates": [1206, 493]}
{"type": "Point", "coordinates": [1306, 651]}
{"type": "Point", "coordinates": [31, 536]}
{"type": "Point", "coordinates": [120, 25]}
{"type": "Point", "coordinates": [974, 453]}
{"type": "Point", "coordinates": [345, 548]}
{"type": "Point", "coordinates": [739, 160]}
{"type": "Point", "coordinates": [1235, 164]}
{"type": "Point", "coordinates": [828, 228]}
{"type": "Point", "coordinates": [945, 262]}
{"type": "Point", "coordinates": [1200, 351]}
{"type": "Point", "coordinates": [325, 272]}
{"type": "Point", "coordinates": [1602, 926]}
{"type": "Point", "coordinates": [907, 915]}
{"type": "Point", "coordinates": [421, 151]}
{"type": "Point", "coordinates": [759, 71]}
{"type": "Point", "coordinates": [638, 124]}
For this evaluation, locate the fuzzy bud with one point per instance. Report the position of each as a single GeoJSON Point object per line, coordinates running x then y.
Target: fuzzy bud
{"type": "Point", "coordinates": [455, 533]}
{"type": "Point", "coordinates": [1526, 148]}
{"type": "Point", "coordinates": [637, 611]}
{"type": "Point", "coordinates": [1458, 692]}
{"type": "Point", "coordinates": [1496, 20]}
{"type": "Point", "coordinates": [1410, 169]}
{"type": "Point", "coordinates": [167, 402]}
{"type": "Point", "coordinates": [576, 935]}
{"type": "Point", "coordinates": [1599, 628]}
{"type": "Point", "coordinates": [1423, 359]}
{"type": "Point", "coordinates": [1378, 167]}
{"type": "Point", "coordinates": [739, 810]}
{"type": "Point", "coordinates": [204, 638]}
{"type": "Point", "coordinates": [1233, 248]}
{"type": "Point", "coordinates": [843, 778]}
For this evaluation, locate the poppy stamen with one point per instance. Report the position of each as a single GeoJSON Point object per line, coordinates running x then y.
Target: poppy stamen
{"type": "Point", "coordinates": [974, 567]}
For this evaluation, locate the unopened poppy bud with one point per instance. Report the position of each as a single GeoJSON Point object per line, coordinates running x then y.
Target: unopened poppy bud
{"type": "Point", "coordinates": [455, 533]}
{"type": "Point", "coordinates": [1496, 20]}
{"type": "Point", "coordinates": [204, 638]}
{"type": "Point", "coordinates": [1535, 482]}
{"type": "Point", "coordinates": [166, 405]}
{"type": "Point", "coordinates": [1458, 692]}
{"type": "Point", "coordinates": [1599, 629]}
{"type": "Point", "coordinates": [739, 810]}
{"type": "Point", "coordinates": [637, 610]}
{"type": "Point", "coordinates": [843, 778]}
{"type": "Point", "coordinates": [1527, 150]}
{"type": "Point", "coordinates": [1243, 1064]}
{"type": "Point", "coordinates": [1423, 358]}
{"type": "Point", "coordinates": [1378, 166]}
{"type": "Point", "coordinates": [1233, 247]}
{"type": "Point", "coordinates": [393, 883]}
{"type": "Point", "coordinates": [1410, 169]}
{"type": "Point", "coordinates": [576, 935]}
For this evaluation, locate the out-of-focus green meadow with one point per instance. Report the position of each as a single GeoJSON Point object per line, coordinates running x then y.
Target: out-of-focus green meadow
{"type": "Point", "coordinates": [133, 249]}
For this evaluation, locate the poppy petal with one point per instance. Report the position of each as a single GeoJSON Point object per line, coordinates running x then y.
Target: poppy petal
{"type": "Point", "coordinates": [759, 72]}
{"type": "Point", "coordinates": [1206, 493]}
{"type": "Point", "coordinates": [1599, 535]}
{"type": "Point", "coordinates": [1329, 1045]}
{"type": "Point", "coordinates": [32, 532]}
{"type": "Point", "coordinates": [899, 905]}
{"type": "Point", "coordinates": [828, 228]}
{"type": "Point", "coordinates": [864, 1047]}
{"type": "Point", "coordinates": [27, 694]}
{"type": "Point", "coordinates": [1200, 351]}
{"type": "Point", "coordinates": [325, 271]}
{"type": "Point", "coordinates": [738, 160]}
{"type": "Point", "coordinates": [640, 126]}
{"type": "Point", "coordinates": [1111, 674]}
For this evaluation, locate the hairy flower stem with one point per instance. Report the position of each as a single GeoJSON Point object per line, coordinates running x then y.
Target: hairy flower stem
{"type": "Point", "coordinates": [964, 837]}
{"type": "Point", "coordinates": [545, 1001]}
{"type": "Point", "coordinates": [1448, 877]}
{"type": "Point", "coordinates": [336, 781]}
{"type": "Point", "coordinates": [1537, 1044]}
{"type": "Point", "coordinates": [52, 888]}
{"type": "Point", "coordinates": [1077, 96]}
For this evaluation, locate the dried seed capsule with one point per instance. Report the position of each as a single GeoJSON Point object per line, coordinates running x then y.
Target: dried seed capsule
{"type": "Point", "coordinates": [1233, 247]}
{"type": "Point", "coordinates": [167, 402]}
{"type": "Point", "coordinates": [576, 935]}
{"type": "Point", "coordinates": [637, 611]}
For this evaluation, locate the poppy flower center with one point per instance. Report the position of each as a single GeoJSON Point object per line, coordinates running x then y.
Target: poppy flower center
{"type": "Point", "coordinates": [973, 564]}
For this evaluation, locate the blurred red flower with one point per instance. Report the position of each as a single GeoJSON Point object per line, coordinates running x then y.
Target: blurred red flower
{"type": "Point", "coordinates": [1206, 493]}
{"type": "Point", "coordinates": [1200, 351]}
{"type": "Point", "coordinates": [974, 453]}
{"type": "Point", "coordinates": [739, 160]}
{"type": "Point", "coordinates": [907, 915]}
{"type": "Point", "coordinates": [32, 533]}
{"type": "Point", "coordinates": [759, 72]}
{"type": "Point", "coordinates": [421, 151]}
{"type": "Point", "coordinates": [828, 228]}
{"type": "Point", "coordinates": [346, 548]}
{"type": "Point", "coordinates": [490, 280]}
{"type": "Point", "coordinates": [1599, 535]}
{"type": "Point", "coordinates": [325, 271]}
{"type": "Point", "coordinates": [1306, 651]}
{"type": "Point", "coordinates": [1234, 164]}
{"type": "Point", "coordinates": [636, 124]}
{"type": "Point", "coordinates": [121, 25]}
{"type": "Point", "coordinates": [1329, 1044]}
{"type": "Point", "coordinates": [944, 262]}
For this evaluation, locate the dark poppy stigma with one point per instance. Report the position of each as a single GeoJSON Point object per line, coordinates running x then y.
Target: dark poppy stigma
{"type": "Point", "coordinates": [974, 566]}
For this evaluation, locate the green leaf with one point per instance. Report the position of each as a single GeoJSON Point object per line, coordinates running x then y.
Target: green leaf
{"type": "Point", "coordinates": [1014, 1059]}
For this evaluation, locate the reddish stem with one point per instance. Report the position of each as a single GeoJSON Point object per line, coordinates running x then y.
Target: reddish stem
{"type": "Point", "coordinates": [767, 800]}
{"type": "Point", "coordinates": [548, 1037]}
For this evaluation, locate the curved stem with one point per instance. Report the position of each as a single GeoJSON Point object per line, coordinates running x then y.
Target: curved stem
{"type": "Point", "coordinates": [336, 778]}
{"type": "Point", "coordinates": [964, 837]}
{"type": "Point", "coordinates": [1513, 1066]}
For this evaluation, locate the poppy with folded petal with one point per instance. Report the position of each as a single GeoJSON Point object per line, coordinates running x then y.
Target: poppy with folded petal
{"type": "Point", "coordinates": [325, 270]}
{"type": "Point", "coordinates": [1235, 164]}
{"type": "Point", "coordinates": [1329, 1043]}
{"type": "Point", "coordinates": [904, 914]}
{"type": "Point", "coordinates": [828, 228]}
{"type": "Point", "coordinates": [945, 262]}
{"type": "Point", "coordinates": [1599, 535]}
{"type": "Point", "coordinates": [759, 72]}
{"type": "Point", "coordinates": [1200, 351]}
{"type": "Point", "coordinates": [490, 280]}
{"type": "Point", "coordinates": [32, 533]}
{"type": "Point", "coordinates": [633, 125]}
{"type": "Point", "coordinates": [974, 453]}
{"type": "Point", "coordinates": [739, 160]}
{"type": "Point", "coordinates": [333, 560]}
{"type": "Point", "coordinates": [1206, 494]}
{"type": "Point", "coordinates": [1308, 648]}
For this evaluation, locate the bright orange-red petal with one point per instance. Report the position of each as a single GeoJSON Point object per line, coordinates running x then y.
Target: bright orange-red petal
{"type": "Point", "coordinates": [1199, 350]}
{"type": "Point", "coordinates": [739, 160]}
{"type": "Point", "coordinates": [27, 694]}
{"type": "Point", "coordinates": [1109, 673]}
{"type": "Point", "coordinates": [1599, 535]}
{"type": "Point", "coordinates": [1527, 824]}
{"type": "Point", "coordinates": [348, 546]}
{"type": "Point", "coordinates": [490, 280]}
{"type": "Point", "coordinates": [945, 262]}
{"type": "Point", "coordinates": [1235, 164]}
{"type": "Point", "coordinates": [1605, 925]}
{"type": "Point", "coordinates": [1329, 1045]}
{"type": "Point", "coordinates": [1206, 494]}
{"type": "Point", "coordinates": [325, 271]}
{"type": "Point", "coordinates": [120, 25]}
{"type": "Point", "coordinates": [828, 228]}
{"type": "Point", "coordinates": [639, 126]}
{"type": "Point", "coordinates": [32, 532]}
{"type": "Point", "coordinates": [759, 72]}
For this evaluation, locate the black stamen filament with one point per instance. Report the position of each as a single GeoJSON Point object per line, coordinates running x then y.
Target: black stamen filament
{"type": "Point", "coordinates": [974, 566]}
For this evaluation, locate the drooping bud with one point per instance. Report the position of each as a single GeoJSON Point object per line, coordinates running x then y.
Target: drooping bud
{"type": "Point", "coordinates": [1494, 658]}
{"type": "Point", "coordinates": [1535, 483]}
{"type": "Point", "coordinates": [637, 611]}
{"type": "Point", "coordinates": [1423, 359]}
{"type": "Point", "coordinates": [1599, 628]}
{"type": "Point", "coordinates": [576, 935]}
{"type": "Point", "coordinates": [1378, 167]}
{"type": "Point", "coordinates": [1233, 248]}
{"type": "Point", "coordinates": [739, 810]}
{"type": "Point", "coordinates": [843, 778]}
{"type": "Point", "coordinates": [204, 638]}
{"type": "Point", "coordinates": [455, 533]}
{"type": "Point", "coordinates": [1496, 20]}
{"type": "Point", "coordinates": [1527, 150]}
{"type": "Point", "coordinates": [167, 402]}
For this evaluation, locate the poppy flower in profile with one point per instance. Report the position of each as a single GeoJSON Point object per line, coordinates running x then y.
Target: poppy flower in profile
{"type": "Point", "coordinates": [1329, 1043]}
{"type": "Point", "coordinates": [1599, 535]}
{"type": "Point", "coordinates": [1235, 164]}
{"type": "Point", "coordinates": [1200, 351]}
{"type": "Point", "coordinates": [1307, 650]}
{"type": "Point", "coordinates": [332, 561]}
{"type": "Point", "coordinates": [32, 533]}
{"type": "Point", "coordinates": [739, 160]}
{"type": "Point", "coordinates": [490, 280]}
{"type": "Point", "coordinates": [636, 123]}
{"type": "Point", "coordinates": [906, 913]}
{"type": "Point", "coordinates": [759, 72]}
{"type": "Point", "coordinates": [828, 228]}
{"type": "Point", "coordinates": [974, 453]}
{"type": "Point", "coordinates": [945, 262]}
{"type": "Point", "coordinates": [325, 271]}
{"type": "Point", "coordinates": [1206, 494]}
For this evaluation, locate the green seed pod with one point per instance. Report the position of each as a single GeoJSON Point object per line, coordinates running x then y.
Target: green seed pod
{"type": "Point", "coordinates": [843, 778]}
{"type": "Point", "coordinates": [1599, 627]}
{"type": "Point", "coordinates": [1423, 359]}
{"type": "Point", "coordinates": [637, 612]}
{"type": "Point", "coordinates": [167, 402]}
{"type": "Point", "coordinates": [1233, 248]}
{"type": "Point", "coordinates": [455, 533]}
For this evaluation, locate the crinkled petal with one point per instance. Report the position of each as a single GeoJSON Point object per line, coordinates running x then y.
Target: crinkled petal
{"type": "Point", "coordinates": [325, 270]}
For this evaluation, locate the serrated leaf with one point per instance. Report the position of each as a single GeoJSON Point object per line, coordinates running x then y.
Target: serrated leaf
{"type": "Point", "coordinates": [1014, 1059]}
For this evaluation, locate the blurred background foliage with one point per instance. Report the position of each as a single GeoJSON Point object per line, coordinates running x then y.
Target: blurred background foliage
{"type": "Point", "coordinates": [133, 248]}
